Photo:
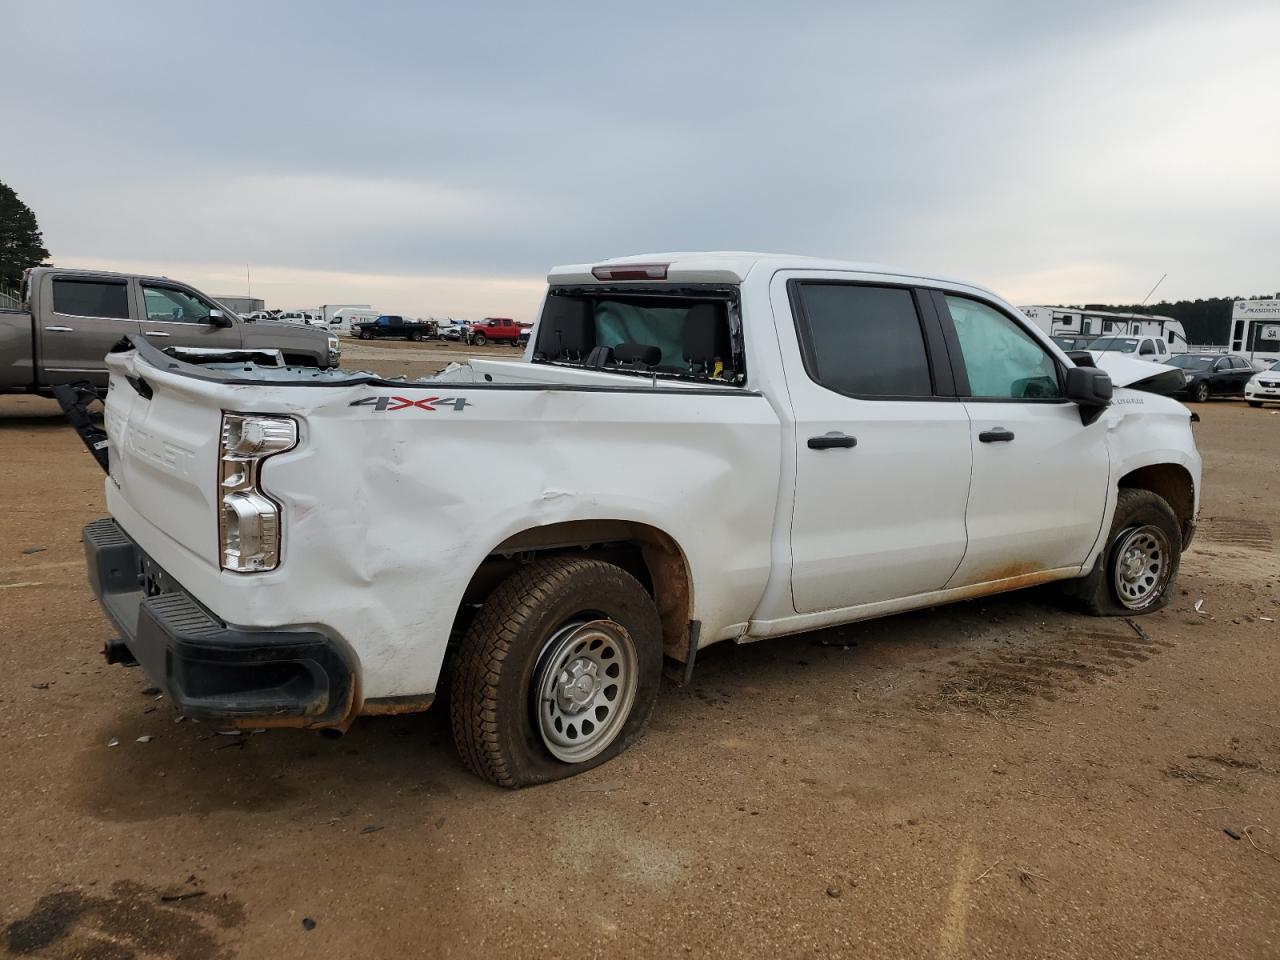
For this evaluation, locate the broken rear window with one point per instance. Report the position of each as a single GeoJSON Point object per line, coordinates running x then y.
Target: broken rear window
{"type": "Point", "coordinates": [669, 335]}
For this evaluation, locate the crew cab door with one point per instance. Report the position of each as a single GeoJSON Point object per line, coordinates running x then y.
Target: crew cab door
{"type": "Point", "coordinates": [174, 316]}
{"type": "Point", "coordinates": [882, 453]}
{"type": "Point", "coordinates": [1039, 487]}
{"type": "Point", "coordinates": [79, 319]}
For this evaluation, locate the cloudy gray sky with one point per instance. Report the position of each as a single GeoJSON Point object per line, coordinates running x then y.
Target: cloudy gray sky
{"type": "Point", "coordinates": [438, 158]}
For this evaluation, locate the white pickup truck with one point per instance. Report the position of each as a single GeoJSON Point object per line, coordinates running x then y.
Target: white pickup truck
{"type": "Point", "coordinates": [695, 448]}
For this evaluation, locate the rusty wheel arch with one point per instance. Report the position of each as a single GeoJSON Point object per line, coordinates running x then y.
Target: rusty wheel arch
{"type": "Point", "coordinates": [651, 555]}
{"type": "Point", "coordinates": [1173, 484]}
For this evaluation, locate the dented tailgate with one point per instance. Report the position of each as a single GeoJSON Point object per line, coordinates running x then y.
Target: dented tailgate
{"type": "Point", "coordinates": [164, 454]}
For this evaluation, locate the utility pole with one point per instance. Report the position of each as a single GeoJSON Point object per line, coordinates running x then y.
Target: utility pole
{"type": "Point", "coordinates": [249, 283]}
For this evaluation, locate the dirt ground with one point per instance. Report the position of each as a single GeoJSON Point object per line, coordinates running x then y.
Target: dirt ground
{"type": "Point", "coordinates": [1001, 778]}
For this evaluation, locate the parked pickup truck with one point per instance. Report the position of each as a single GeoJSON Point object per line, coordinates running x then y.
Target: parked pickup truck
{"type": "Point", "coordinates": [499, 330]}
{"type": "Point", "coordinates": [696, 448]}
{"type": "Point", "coordinates": [394, 327]}
{"type": "Point", "coordinates": [73, 317]}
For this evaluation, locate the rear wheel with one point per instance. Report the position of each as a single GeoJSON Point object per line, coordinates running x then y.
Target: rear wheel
{"type": "Point", "coordinates": [1137, 570]}
{"type": "Point", "coordinates": [415, 336]}
{"type": "Point", "coordinates": [557, 674]}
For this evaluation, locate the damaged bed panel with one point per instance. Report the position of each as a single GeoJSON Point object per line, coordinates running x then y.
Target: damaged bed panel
{"type": "Point", "coordinates": [381, 498]}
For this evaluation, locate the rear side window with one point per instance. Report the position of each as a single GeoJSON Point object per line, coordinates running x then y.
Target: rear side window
{"type": "Point", "coordinates": [90, 298]}
{"type": "Point", "coordinates": [863, 341]}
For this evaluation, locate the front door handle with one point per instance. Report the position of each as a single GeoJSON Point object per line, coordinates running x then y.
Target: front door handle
{"type": "Point", "coordinates": [156, 333]}
{"type": "Point", "coordinates": [831, 440]}
{"type": "Point", "coordinates": [60, 329]}
{"type": "Point", "coordinates": [996, 435]}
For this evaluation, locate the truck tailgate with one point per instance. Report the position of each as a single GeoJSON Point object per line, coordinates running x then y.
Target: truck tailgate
{"type": "Point", "coordinates": [164, 454]}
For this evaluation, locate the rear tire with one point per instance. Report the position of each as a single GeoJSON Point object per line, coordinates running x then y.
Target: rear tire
{"type": "Point", "coordinates": [415, 336]}
{"type": "Point", "coordinates": [1138, 568]}
{"type": "Point", "coordinates": [557, 674]}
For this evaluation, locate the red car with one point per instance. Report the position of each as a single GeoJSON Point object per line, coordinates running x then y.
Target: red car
{"type": "Point", "coordinates": [502, 329]}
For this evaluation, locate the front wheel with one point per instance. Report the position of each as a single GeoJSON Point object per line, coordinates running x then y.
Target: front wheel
{"type": "Point", "coordinates": [1200, 392]}
{"type": "Point", "coordinates": [366, 335]}
{"type": "Point", "coordinates": [557, 674]}
{"type": "Point", "coordinates": [1255, 403]}
{"type": "Point", "coordinates": [1137, 569]}
{"type": "Point", "coordinates": [478, 340]}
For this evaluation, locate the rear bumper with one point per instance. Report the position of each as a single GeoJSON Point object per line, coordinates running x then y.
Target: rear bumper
{"type": "Point", "coordinates": [245, 678]}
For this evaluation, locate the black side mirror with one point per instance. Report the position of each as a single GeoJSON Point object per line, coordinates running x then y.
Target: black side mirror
{"type": "Point", "coordinates": [1091, 389]}
{"type": "Point", "coordinates": [218, 319]}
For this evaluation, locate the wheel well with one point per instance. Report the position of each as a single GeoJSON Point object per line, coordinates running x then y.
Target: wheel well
{"type": "Point", "coordinates": [648, 554]}
{"type": "Point", "coordinates": [1171, 483]}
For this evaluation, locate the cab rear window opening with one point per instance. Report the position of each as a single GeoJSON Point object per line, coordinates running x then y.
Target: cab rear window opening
{"type": "Point", "coordinates": [871, 341]}
{"type": "Point", "coordinates": [684, 335]}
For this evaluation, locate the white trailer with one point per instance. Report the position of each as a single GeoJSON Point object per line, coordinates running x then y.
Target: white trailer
{"type": "Point", "coordinates": [340, 320]}
{"type": "Point", "coordinates": [1255, 329]}
{"type": "Point", "coordinates": [1166, 334]}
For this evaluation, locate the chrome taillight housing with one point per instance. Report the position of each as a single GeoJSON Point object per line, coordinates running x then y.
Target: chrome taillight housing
{"type": "Point", "coordinates": [248, 519]}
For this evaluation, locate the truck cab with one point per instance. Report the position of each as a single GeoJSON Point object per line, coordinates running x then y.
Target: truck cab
{"type": "Point", "coordinates": [73, 318]}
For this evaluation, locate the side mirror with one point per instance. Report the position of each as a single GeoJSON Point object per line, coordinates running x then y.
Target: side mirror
{"type": "Point", "coordinates": [1091, 389]}
{"type": "Point", "coordinates": [218, 319]}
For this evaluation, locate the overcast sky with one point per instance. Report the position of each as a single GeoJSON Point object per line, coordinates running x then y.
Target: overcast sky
{"type": "Point", "coordinates": [437, 159]}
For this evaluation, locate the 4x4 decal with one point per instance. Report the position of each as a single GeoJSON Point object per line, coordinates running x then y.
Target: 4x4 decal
{"type": "Point", "coordinates": [391, 404]}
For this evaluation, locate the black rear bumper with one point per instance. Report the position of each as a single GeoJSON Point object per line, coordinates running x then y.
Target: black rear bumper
{"type": "Point", "coordinates": [296, 678]}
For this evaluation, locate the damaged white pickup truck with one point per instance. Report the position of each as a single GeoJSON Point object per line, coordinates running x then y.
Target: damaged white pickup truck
{"type": "Point", "coordinates": [695, 448]}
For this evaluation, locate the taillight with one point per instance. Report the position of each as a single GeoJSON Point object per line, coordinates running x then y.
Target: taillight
{"type": "Point", "coordinates": [248, 519]}
{"type": "Point", "coordinates": [631, 271]}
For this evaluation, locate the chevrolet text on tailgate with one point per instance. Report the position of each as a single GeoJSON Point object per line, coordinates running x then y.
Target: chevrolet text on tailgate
{"type": "Point", "coordinates": [694, 448]}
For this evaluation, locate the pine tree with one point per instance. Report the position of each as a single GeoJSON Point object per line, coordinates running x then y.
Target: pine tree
{"type": "Point", "coordinates": [21, 244]}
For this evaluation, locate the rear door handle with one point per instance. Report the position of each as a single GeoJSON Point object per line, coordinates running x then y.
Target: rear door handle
{"type": "Point", "coordinates": [156, 333]}
{"type": "Point", "coordinates": [832, 439]}
{"type": "Point", "coordinates": [996, 435]}
{"type": "Point", "coordinates": [60, 329]}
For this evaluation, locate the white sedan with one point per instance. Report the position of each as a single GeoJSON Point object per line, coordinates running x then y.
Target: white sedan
{"type": "Point", "coordinates": [1264, 386]}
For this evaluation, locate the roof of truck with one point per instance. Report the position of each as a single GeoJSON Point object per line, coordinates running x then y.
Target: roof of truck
{"type": "Point", "coordinates": [733, 266]}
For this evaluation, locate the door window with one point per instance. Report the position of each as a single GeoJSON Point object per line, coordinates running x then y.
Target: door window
{"type": "Point", "coordinates": [1001, 359]}
{"type": "Point", "coordinates": [169, 305]}
{"type": "Point", "coordinates": [1148, 348]}
{"type": "Point", "coordinates": [91, 298]}
{"type": "Point", "coordinates": [862, 341]}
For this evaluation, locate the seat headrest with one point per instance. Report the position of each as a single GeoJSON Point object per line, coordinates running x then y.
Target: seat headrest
{"type": "Point", "coordinates": [645, 354]}
{"type": "Point", "coordinates": [706, 334]}
{"type": "Point", "coordinates": [566, 328]}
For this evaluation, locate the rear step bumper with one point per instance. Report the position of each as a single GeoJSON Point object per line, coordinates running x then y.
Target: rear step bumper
{"type": "Point", "coordinates": [245, 678]}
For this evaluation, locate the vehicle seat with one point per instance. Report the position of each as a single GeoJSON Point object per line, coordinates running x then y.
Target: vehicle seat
{"type": "Point", "coordinates": [567, 331]}
{"type": "Point", "coordinates": [637, 356]}
{"type": "Point", "coordinates": [600, 357]}
{"type": "Point", "coordinates": [706, 338]}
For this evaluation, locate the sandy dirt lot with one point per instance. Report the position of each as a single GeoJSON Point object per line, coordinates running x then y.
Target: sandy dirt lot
{"type": "Point", "coordinates": [1002, 778]}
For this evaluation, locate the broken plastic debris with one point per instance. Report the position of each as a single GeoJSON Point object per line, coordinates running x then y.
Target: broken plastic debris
{"type": "Point", "coordinates": [1199, 604]}
{"type": "Point", "coordinates": [113, 742]}
{"type": "Point", "coordinates": [1266, 619]}
{"type": "Point", "coordinates": [145, 738]}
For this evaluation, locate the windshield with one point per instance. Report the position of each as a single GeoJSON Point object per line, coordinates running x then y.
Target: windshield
{"type": "Point", "coordinates": [1115, 344]}
{"type": "Point", "coordinates": [657, 334]}
{"type": "Point", "coordinates": [1189, 362]}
